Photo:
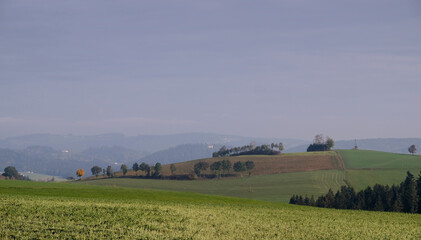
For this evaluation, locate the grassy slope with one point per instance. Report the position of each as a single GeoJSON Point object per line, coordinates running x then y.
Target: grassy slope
{"type": "Point", "coordinates": [76, 211]}
{"type": "Point", "coordinates": [366, 168]}
{"type": "Point", "coordinates": [274, 187]}
{"type": "Point", "coordinates": [289, 162]}
{"type": "Point", "coordinates": [362, 168]}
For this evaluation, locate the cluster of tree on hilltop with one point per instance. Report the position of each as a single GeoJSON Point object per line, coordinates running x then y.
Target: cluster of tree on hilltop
{"type": "Point", "coordinates": [10, 172]}
{"type": "Point", "coordinates": [251, 149]}
{"type": "Point", "coordinates": [222, 167]}
{"type": "Point", "coordinates": [403, 198]}
{"type": "Point", "coordinates": [321, 144]}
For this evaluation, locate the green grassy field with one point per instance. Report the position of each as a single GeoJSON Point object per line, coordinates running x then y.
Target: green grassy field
{"type": "Point", "coordinates": [274, 187]}
{"type": "Point", "coordinates": [359, 168]}
{"type": "Point", "coordinates": [33, 210]}
{"type": "Point", "coordinates": [365, 168]}
{"type": "Point", "coordinates": [365, 159]}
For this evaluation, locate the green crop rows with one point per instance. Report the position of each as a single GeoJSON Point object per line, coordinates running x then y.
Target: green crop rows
{"type": "Point", "coordinates": [70, 211]}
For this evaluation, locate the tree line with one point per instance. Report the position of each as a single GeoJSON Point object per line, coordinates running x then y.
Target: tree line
{"type": "Point", "coordinates": [222, 168]}
{"type": "Point", "coordinates": [150, 171]}
{"type": "Point", "coordinates": [405, 197]}
{"type": "Point", "coordinates": [251, 149]}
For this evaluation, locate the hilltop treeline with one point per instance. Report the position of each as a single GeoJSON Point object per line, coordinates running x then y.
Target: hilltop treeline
{"type": "Point", "coordinates": [405, 197]}
{"type": "Point", "coordinates": [321, 143]}
{"type": "Point", "coordinates": [249, 150]}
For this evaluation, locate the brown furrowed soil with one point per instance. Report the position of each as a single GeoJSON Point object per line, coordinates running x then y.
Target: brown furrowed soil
{"type": "Point", "coordinates": [271, 164]}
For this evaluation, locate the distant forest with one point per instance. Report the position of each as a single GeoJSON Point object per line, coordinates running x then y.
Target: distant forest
{"type": "Point", "coordinates": [405, 197]}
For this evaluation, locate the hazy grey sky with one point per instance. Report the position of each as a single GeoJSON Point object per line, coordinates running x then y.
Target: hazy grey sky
{"type": "Point", "coordinates": [348, 69]}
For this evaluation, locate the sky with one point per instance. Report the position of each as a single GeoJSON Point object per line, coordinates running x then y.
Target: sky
{"type": "Point", "coordinates": [286, 68]}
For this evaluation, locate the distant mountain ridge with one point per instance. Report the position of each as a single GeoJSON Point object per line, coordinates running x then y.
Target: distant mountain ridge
{"type": "Point", "coordinates": [46, 160]}
{"type": "Point", "coordinates": [185, 152]}
{"type": "Point", "coordinates": [61, 155]}
{"type": "Point", "coordinates": [140, 143]}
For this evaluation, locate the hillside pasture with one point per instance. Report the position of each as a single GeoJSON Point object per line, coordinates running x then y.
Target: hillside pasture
{"type": "Point", "coordinates": [273, 187]}
{"type": "Point", "coordinates": [77, 211]}
{"type": "Point", "coordinates": [362, 178]}
{"type": "Point", "coordinates": [366, 159]}
{"type": "Point", "coordinates": [366, 168]}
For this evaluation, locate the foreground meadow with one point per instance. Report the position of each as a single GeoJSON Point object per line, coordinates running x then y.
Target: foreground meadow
{"type": "Point", "coordinates": [30, 210]}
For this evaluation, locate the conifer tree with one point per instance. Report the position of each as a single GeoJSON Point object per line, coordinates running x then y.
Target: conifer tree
{"type": "Point", "coordinates": [409, 194]}
{"type": "Point", "coordinates": [419, 193]}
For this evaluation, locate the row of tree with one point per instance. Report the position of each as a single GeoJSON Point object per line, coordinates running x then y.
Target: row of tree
{"type": "Point", "coordinates": [251, 149]}
{"type": "Point", "coordinates": [405, 197]}
{"type": "Point", "coordinates": [222, 167]}
{"type": "Point", "coordinates": [150, 171]}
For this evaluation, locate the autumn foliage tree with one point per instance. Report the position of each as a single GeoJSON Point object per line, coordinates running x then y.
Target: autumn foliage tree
{"type": "Point", "coordinates": [80, 172]}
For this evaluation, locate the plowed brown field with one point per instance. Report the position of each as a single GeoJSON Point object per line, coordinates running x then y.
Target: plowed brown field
{"type": "Point", "coordinates": [272, 164]}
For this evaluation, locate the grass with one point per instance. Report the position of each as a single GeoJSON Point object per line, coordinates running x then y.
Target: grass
{"type": "Point", "coordinates": [362, 178]}
{"type": "Point", "coordinates": [367, 168]}
{"type": "Point", "coordinates": [77, 211]}
{"type": "Point", "coordinates": [360, 169]}
{"type": "Point", "coordinates": [274, 187]}
{"type": "Point", "coordinates": [366, 159]}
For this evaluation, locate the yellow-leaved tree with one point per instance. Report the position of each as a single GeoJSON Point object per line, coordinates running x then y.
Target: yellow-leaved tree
{"type": "Point", "coordinates": [80, 172]}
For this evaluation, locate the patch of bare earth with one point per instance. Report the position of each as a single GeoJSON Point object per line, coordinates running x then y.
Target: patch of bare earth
{"type": "Point", "coordinates": [271, 164]}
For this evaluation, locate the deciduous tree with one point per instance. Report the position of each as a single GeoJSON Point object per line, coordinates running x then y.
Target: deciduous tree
{"type": "Point", "coordinates": [281, 147]}
{"type": "Point", "coordinates": [412, 149]}
{"type": "Point", "coordinates": [80, 172]}
{"type": "Point", "coordinates": [199, 167]}
{"type": "Point", "coordinates": [135, 167]}
{"type": "Point", "coordinates": [249, 166]}
{"type": "Point", "coordinates": [109, 171]}
{"type": "Point", "coordinates": [123, 168]}
{"type": "Point", "coordinates": [226, 165]}
{"type": "Point", "coordinates": [216, 167]}
{"type": "Point", "coordinates": [96, 170]}
{"type": "Point", "coordinates": [329, 143]}
{"type": "Point", "coordinates": [157, 169]}
{"type": "Point", "coordinates": [10, 172]}
{"type": "Point", "coordinates": [239, 166]}
{"type": "Point", "coordinates": [144, 167]}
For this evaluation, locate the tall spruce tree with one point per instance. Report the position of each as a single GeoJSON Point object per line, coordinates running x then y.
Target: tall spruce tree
{"type": "Point", "coordinates": [409, 194]}
{"type": "Point", "coordinates": [419, 193]}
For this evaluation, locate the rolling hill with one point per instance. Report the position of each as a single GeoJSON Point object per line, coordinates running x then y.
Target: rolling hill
{"type": "Point", "coordinates": [276, 178]}
{"type": "Point", "coordinates": [141, 143]}
{"type": "Point", "coordinates": [46, 160]}
{"type": "Point", "coordinates": [34, 210]}
{"type": "Point", "coordinates": [394, 145]}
